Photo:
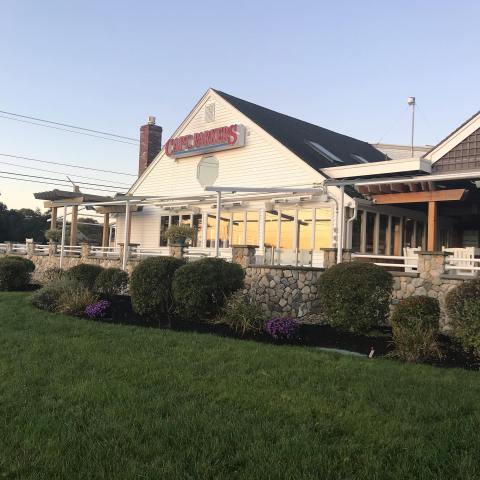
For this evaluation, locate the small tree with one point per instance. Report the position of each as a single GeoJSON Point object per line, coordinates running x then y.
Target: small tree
{"type": "Point", "coordinates": [53, 235]}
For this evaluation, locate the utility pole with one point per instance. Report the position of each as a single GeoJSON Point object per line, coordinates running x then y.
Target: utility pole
{"type": "Point", "coordinates": [411, 103]}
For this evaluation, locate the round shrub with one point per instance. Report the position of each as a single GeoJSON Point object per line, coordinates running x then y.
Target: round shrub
{"type": "Point", "coordinates": [415, 323]}
{"type": "Point", "coordinates": [282, 328]}
{"type": "Point", "coordinates": [111, 281]}
{"type": "Point", "coordinates": [14, 274]}
{"type": "Point", "coordinates": [151, 286]}
{"type": "Point", "coordinates": [463, 308]}
{"type": "Point", "coordinates": [29, 265]}
{"type": "Point", "coordinates": [201, 287]}
{"type": "Point", "coordinates": [241, 314]}
{"type": "Point", "coordinates": [355, 296]}
{"type": "Point", "coordinates": [85, 273]}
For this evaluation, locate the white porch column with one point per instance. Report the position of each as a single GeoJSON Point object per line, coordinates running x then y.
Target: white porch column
{"type": "Point", "coordinates": [204, 229]}
{"type": "Point", "coordinates": [64, 227]}
{"type": "Point", "coordinates": [126, 236]}
{"type": "Point", "coordinates": [340, 224]}
{"type": "Point", "coordinates": [261, 230]}
{"type": "Point", "coordinates": [217, 225]}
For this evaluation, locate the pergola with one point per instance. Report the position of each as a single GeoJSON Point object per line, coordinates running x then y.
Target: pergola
{"type": "Point", "coordinates": [125, 204]}
{"type": "Point", "coordinates": [428, 189]}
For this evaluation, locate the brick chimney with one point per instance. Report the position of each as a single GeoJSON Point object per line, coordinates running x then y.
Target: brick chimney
{"type": "Point", "coordinates": [150, 144]}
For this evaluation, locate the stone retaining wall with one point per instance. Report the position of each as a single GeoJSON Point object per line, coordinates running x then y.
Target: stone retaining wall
{"type": "Point", "coordinates": [283, 291]}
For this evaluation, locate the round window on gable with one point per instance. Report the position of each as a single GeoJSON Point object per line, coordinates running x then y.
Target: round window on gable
{"type": "Point", "coordinates": [207, 171]}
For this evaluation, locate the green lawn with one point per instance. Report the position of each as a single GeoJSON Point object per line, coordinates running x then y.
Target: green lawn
{"type": "Point", "coordinates": [87, 400]}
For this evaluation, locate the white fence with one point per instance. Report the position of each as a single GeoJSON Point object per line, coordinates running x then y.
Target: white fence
{"type": "Point", "coordinates": [406, 263]}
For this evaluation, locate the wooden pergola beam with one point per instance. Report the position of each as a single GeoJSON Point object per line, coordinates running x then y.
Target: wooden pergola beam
{"type": "Point", "coordinates": [420, 197]}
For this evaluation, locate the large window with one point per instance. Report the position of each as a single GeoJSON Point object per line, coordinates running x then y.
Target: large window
{"type": "Point", "coordinates": [287, 219]}
{"type": "Point", "coordinates": [357, 232]}
{"type": "Point", "coordinates": [271, 228]}
{"type": "Point", "coordinates": [305, 229]}
{"type": "Point", "coordinates": [252, 228]}
{"type": "Point", "coordinates": [382, 235]}
{"type": "Point", "coordinates": [164, 222]}
{"type": "Point", "coordinates": [370, 237]}
{"type": "Point", "coordinates": [224, 232]}
{"type": "Point", "coordinates": [197, 227]}
{"type": "Point", "coordinates": [238, 228]}
{"type": "Point", "coordinates": [323, 228]}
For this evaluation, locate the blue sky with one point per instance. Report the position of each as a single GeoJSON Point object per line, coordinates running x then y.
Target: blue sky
{"type": "Point", "coordinates": [346, 65]}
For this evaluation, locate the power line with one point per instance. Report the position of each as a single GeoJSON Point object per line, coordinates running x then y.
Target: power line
{"type": "Point", "coordinates": [58, 179]}
{"type": "Point", "coordinates": [70, 126]}
{"type": "Point", "coordinates": [67, 130]}
{"type": "Point", "coordinates": [66, 164]}
{"type": "Point", "coordinates": [51, 183]}
{"type": "Point", "coordinates": [61, 173]}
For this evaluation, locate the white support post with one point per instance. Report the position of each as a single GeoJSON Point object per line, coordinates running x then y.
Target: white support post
{"type": "Point", "coordinates": [64, 227]}
{"type": "Point", "coordinates": [314, 227]}
{"type": "Point", "coordinates": [376, 233]}
{"type": "Point", "coordinates": [217, 225]}
{"type": "Point", "coordinates": [295, 236]}
{"type": "Point", "coordinates": [126, 236]}
{"type": "Point", "coordinates": [340, 224]}
{"type": "Point", "coordinates": [245, 224]}
{"type": "Point", "coordinates": [261, 231]}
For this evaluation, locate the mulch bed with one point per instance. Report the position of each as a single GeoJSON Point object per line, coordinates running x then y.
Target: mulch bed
{"type": "Point", "coordinates": [310, 335]}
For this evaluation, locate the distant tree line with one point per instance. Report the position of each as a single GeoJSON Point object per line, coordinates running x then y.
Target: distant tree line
{"type": "Point", "coordinates": [18, 225]}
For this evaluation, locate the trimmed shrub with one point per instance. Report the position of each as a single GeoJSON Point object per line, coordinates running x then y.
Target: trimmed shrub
{"type": "Point", "coordinates": [463, 308]}
{"type": "Point", "coordinates": [98, 309]}
{"type": "Point", "coordinates": [282, 328]}
{"type": "Point", "coordinates": [242, 314]}
{"type": "Point", "coordinates": [355, 296]}
{"type": "Point", "coordinates": [200, 288]}
{"type": "Point", "coordinates": [85, 273]}
{"type": "Point", "coordinates": [14, 274]}
{"type": "Point", "coordinates": [151, 286]}
{"type": "Point", "coordinates": [111, 281]}
{"type": "Point", "coordinates": [53, 235]}
{"type": "Point", "coordinates": [29, 265]}
{"type": "Point", "coordinates": [415, 323]}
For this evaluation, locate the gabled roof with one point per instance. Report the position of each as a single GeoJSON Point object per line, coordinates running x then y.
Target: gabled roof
{"type": "Point", "coordinates": [316, 146]}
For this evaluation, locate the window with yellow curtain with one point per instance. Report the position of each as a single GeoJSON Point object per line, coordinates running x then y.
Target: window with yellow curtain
{"type": "Point", "coordinates": [323, 228]}
{"type": "Point", "coordinates": [287, 220]}
{"type": "Point", "coordinates": [210, 230]}
{"type": "Point", "coordinates": [238, 227]}
{"type": "Point", "coordinates": [305, 229]}
{"type": "Point", "coordinates": [252, 228]}
{"type": "Point", "coordinates": [271, 228]}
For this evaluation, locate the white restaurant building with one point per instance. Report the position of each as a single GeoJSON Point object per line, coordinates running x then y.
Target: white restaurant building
{"type": "Point", "coordinates": [292, 189]}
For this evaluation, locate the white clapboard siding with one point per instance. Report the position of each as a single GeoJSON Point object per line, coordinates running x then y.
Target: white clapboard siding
{"type": "Point", "coordinates": [145, 228]}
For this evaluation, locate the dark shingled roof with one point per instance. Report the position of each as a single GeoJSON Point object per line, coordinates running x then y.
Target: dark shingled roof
{"type": "Point", "coordinates": [295, 135]}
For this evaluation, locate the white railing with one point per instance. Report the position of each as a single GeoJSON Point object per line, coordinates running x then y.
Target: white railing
{"type": "Point", "coordinates": [41, 249]}
{"type": "Point", "coordinates": [148, 252]}
{"type": "Point", "coordinates": [104, 252]}
{"type": "Point", "coordinates": [297, 258]}
{"type": "Point", "coordinates": [70, 250]}
{"type": "Point", "coordinates": [199, 252]}
{"type": "Point", "coordinates": [408, 263]}
{"type": "Point", "coordinates": [19, 248]}
{"type": "Point", "coordinates": [463, 266]}
{"type": "Point", "coordinates": [3, 247]}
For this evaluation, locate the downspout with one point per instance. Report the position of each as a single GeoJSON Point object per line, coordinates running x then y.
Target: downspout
{"type": "Point", "coordinates": [340, 224]}
{"type": "Point", "coordinates": [352, 219]}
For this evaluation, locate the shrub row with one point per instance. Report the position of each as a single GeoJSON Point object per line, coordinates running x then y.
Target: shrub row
{"type": "Point", "coordinates": [161, 286]}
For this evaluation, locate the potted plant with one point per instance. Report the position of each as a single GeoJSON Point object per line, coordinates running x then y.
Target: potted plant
{"type": "Point", "coordinates": [178, 234]}
{"type": "Point", "coordinates": [53, 235]}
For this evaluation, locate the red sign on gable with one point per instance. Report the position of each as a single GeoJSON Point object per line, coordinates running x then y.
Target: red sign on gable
{"type": "Point", "coordinates": [214, 140]}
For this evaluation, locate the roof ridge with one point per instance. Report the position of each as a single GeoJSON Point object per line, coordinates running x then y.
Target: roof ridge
{"type": "Point", "coordinates": [223, 94]}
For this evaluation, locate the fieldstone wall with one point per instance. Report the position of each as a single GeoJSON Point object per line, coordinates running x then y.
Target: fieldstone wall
{"type": "Point", "coordinates": [283, 291]}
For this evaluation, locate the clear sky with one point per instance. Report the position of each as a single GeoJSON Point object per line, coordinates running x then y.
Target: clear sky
{"type": "Point", "coordinates": [345, 65]}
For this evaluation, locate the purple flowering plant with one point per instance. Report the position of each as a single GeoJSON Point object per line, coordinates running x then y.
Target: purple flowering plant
{"type": "Point", "coordinates": [98, 309]}
{"type": "Point", "coordinates": [282, 328]}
